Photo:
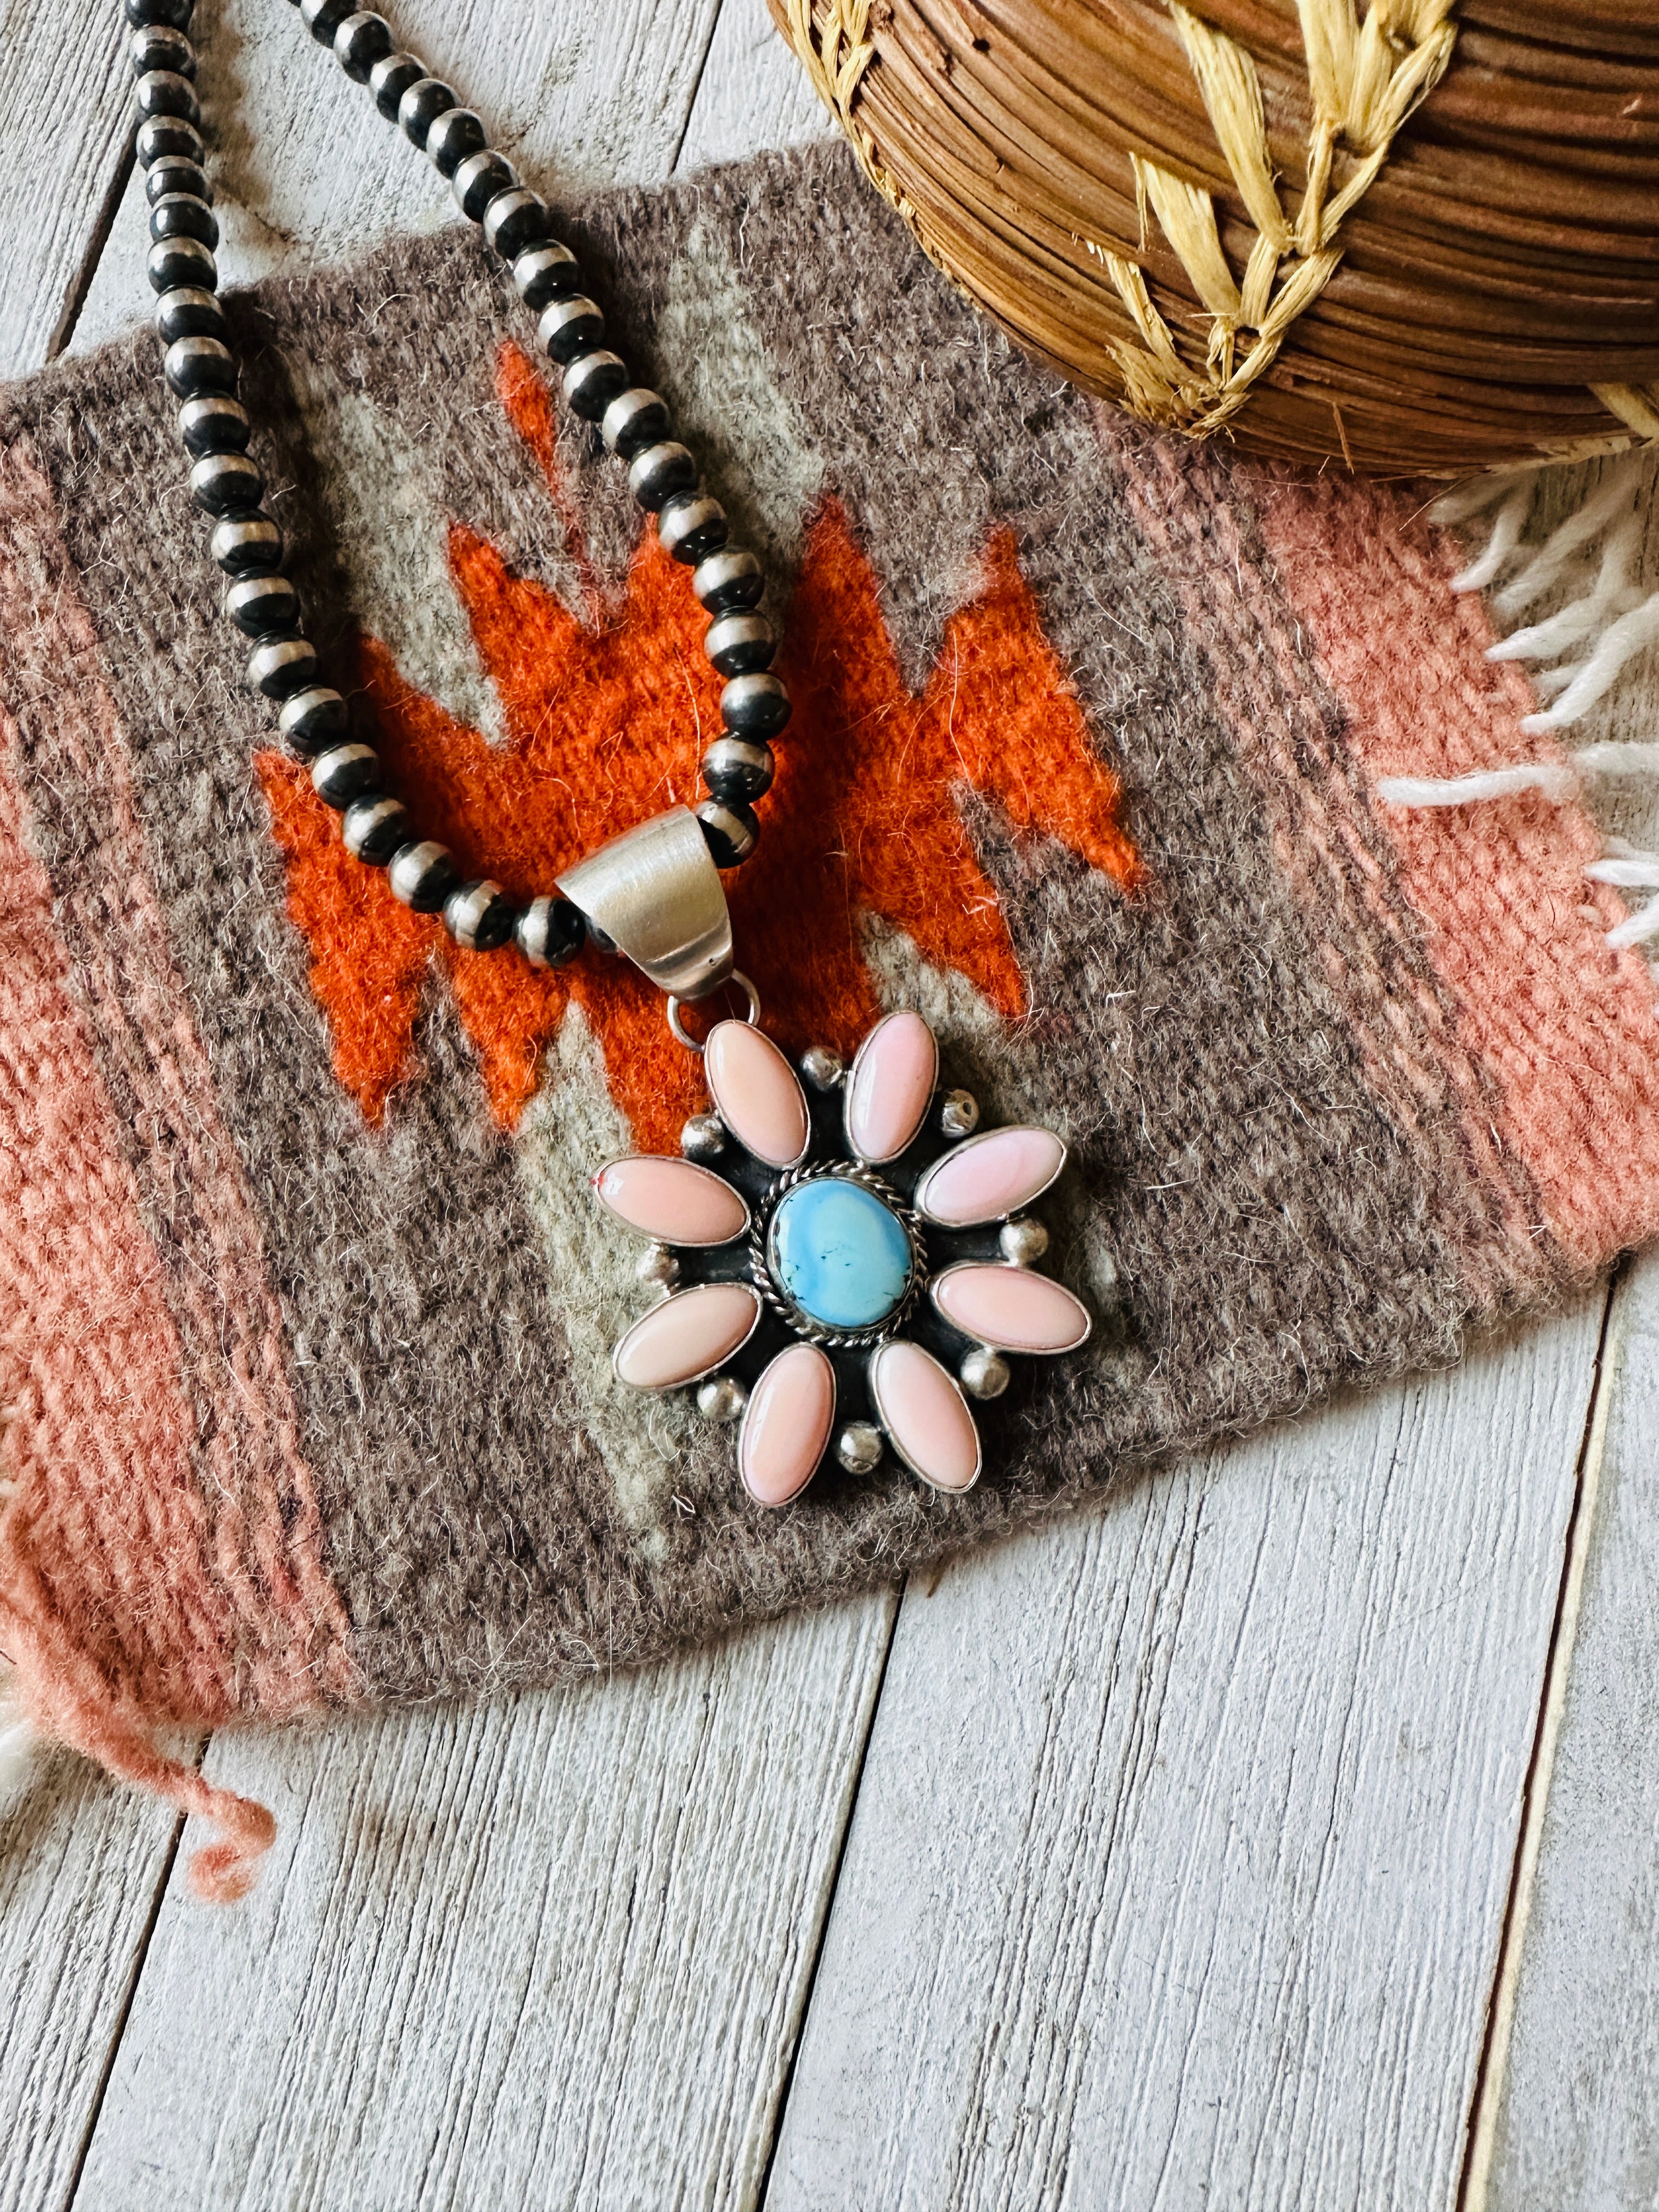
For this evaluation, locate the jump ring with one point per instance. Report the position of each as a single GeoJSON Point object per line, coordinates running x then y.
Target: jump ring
{"type": "Point", "coordinates": [684, 1035]}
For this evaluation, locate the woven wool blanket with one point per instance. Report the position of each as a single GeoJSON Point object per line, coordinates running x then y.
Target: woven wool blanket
{"type": "Point", "coordinates": [305, 1307]}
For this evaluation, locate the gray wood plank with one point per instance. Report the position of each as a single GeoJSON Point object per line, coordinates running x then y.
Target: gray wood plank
{"type": "Point", "coordinates": [64, 136]}
{"type": "Point", "coordinates": [306, 172]}
{"type": "Point", "coordinates": [1178, 1873]}
{"type": "Point", "coordinates": [81, 1861]}
{"type": "Point", "coordinates": [551, 1952]}
{"type": "Point", "coordinates": [1572, 2124]}
{"type": "Point", "coordinates": [754, 93]}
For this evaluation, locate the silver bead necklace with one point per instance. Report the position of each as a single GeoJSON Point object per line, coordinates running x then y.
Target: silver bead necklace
{"type": "Point", "coordinates": [658, 898]}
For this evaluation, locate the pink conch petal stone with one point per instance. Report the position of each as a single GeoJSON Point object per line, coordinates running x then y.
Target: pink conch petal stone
{"type": "Point", "coordinates": [786, 1425]}
{"type": "Point", "coordinates": [1012, 1308]}
{"type": "Point", "coordinates": [925, 1415]}
{"type": "Point", "coordinates": [676, 1202]}
{"type": "Point", "coordinates": [989, 1177]}
{"type": "Point", "coordinates": [686, 1335]}
{"type": "Point", "coordinates": [756, 1093]}
{"type": "Point", "coordinates": [888, 1090]}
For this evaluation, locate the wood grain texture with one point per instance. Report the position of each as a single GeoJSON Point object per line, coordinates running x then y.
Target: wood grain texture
{"type": "Point", "coordinates": [1575, 2126]}
{"type": "Point", "coordinates": [305, 171]}
{"type": "Point", "coordinates": [754, 93]}
{"type": "Point", "coordinates": [549, 1951]}
{"type": "Point", "coordinates": [64, 147]}
{"type": "Point", "coordinates": [82, 1864]}
{"type": "Point", "coordinates": [1178, 1873]}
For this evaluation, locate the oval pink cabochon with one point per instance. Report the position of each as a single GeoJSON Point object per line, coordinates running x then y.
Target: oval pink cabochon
{"type": "Point", "coordinates": [674, 1201]}
{"type": "Point", "coordinates": [786, 1425]}
{"type": "Point", "coordinates": [890, 1087]}
{"type": "Point", "coordinates": [925, 1415]}
{"type": "Point", "coordinates": [756, 1092]}
{"type": "Point", "coordinates": [1012, 1308]}
{"type": "Point", "coordinates": [990, 1176]}
{"type": "Point", "coordinates": [686, 1335]}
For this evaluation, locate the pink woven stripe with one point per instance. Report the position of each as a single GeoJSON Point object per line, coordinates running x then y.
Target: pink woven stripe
{"type": "Point", "coordinates": [1565, 1027]}
{"type": "Point", "coordinates": [1416, 1057]}
{"type": "Point", "coordinates": [164, 1526]}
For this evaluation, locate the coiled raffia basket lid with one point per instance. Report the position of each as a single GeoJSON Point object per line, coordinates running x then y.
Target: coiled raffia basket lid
{"type": "Point", "coordinates": [1422, 239]}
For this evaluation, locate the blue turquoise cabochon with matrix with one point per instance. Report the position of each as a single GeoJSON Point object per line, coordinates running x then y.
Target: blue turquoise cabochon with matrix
{"type": "Point", "coordinates": [839, 1253]}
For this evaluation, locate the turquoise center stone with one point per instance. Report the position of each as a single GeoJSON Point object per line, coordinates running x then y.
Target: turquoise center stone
{"type": "Point", "coordinates": [839, 1253]}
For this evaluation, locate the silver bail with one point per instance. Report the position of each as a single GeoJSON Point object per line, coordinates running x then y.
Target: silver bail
{"type": "Point", "coordinates": [656, 893]}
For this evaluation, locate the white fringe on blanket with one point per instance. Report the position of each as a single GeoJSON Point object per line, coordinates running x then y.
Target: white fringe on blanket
{"type": "Point", "coordinates": [1590, 642]}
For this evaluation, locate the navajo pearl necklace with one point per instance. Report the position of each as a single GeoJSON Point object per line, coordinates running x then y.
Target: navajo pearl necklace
{"type": "Point", "coordinates": [850, 1249]}
{"type": "Point", "coordinates": [737, 767]}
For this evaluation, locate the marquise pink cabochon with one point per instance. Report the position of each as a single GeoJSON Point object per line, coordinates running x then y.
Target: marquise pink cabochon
{"type": "Point", "coordinates": [990, 1176]}
{"type": "Point", "coordinates": [687, 1336]}
{"type": "Point", "coordinates": [675, 1201]}
{"type": "Point", "coordinates": [925, 1415]}
{"type": "Point", "coordinates": [1010, 1309]}
{"type": "Point", "coordinates": [890, 1087]}
{"type": "Point", "coordinates": [756, 1093]}
{"type": "Point", "coordinates": [786, 1424]}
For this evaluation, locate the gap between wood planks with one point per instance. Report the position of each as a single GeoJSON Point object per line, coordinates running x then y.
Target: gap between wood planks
{"type": "Point", "coordinates": [1487, 2102]}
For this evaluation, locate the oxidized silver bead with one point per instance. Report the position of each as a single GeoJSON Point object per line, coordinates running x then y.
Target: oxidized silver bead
{"type": "Point", "coordinates": [728, 580]}
{"type": "Point", "coordinates": [182, 214]}
{"type": "Point", "coordinates": [373, 828]}
{"type": "Point", "coordinates": [359, 41]}
{"type": "Point", "coordinates": [479, 915]}
{"type": "Point", "coordinates": [658, 1269]}
{"type": "Point", "coordinates": [859, 1447]}
{"type": "Point", "coordinates": [515, 219]}
{"type": "Point", "coordinates": [481, 178]}
{"type": "Point", "coordinates": [264, 606]}
{"type": "Point", "coordinates": [735, 768]}
{"type": "Point", "coordinates": [549, 933]}
{"type": "Point", "coordinates": [730, 830]}
{"type": "Point", "coordinates": [176, 263]}
{"type": "Point", "coordinates": [703, 1137]}
{"type": "Point", "coordinates": [314, 719]}
{"type": "Point", "coordinates": [390, 78]}
{"type": "Point", "coordinates": [691, 528]}
{"type": "Point", "coordinates": [426, 99]}
{"type": "Point", "coordinates": [189, 311]}
{"type": "Point", "coordinates": [984, 1373]}
{"type": "Point", "coordinates": [285, 667]}
{"type": "Point", "coordinates": [452, 138]}
{"type": "Point", "coordinates": [344, 772]}
{"type": "Point", "coordinates": [226, 484]}
{"type": "Point", "coordinates": [592, 381]}
{"type": "Point", "coordinates": [423, 875]}
{"type": "Point", "coordinates": [636, 418]}
{"type": "Point", "coordinates": [722, 1398]}
{"type": "Point", "coordinates": [246, 544]}
{"type": "Point", "coordinates": [740, 644]}
{"type": "Point", "coordinates": [1022, 1240]}
{"type": "Point", "coordinates": [756, 706]}
{"type": "Point", "coordinates": [214, 425]}
{"type": "Point", "coordinates": [545, 272]}
{"type": "Point", "coordinates": [193, 365]}
{"type": "Point", "coordinates": [959, 1115]}
{"type": "Point", "coordinates": [571, 327]}
{"type": "Point", "coordinates": [661, 473]}
{"type": "Point", "coordinates": [823, 1068]}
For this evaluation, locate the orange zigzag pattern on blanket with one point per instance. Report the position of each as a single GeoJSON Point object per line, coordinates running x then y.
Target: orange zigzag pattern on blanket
{"type": "Point", "coordinates": [605, 722]}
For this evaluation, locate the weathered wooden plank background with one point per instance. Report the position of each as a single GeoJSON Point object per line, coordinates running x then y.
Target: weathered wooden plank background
{"type": "Point", "coordinates": [1196, 1854]}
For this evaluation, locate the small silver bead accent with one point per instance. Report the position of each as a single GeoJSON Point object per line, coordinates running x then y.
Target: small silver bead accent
{"type": "Point", "coordinates": [1023, 1241]}
{"type": "Point", "coordinates": [859, 1447]}
{"type": "Point", "coordinates": [722, 1398]}
{"type": "Point", "coordinates": [658, 1267]}
{"type": "Point", "coordinates": [959, 1115]}
{"type": "Point", "coordinates": [984, 1373]}
{"type": "Point", "coordinates": [703, 1137]}
{"type": "Point", "coordinates": [823, 1068]}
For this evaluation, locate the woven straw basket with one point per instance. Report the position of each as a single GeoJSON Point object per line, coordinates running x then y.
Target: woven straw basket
{"type": "Point", "coordinates": [1421, 240]}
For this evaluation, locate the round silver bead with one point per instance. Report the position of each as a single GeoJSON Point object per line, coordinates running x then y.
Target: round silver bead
{"type": "Point", "coordinates": [1023, 1241]}
{"type": "Point", "coordinates": [859, 1447]}
{"type": "Point", "coordinates": [703, 1137]}
{"type": "Point", "coordinates": [984, 1373]}
{"type": "Point", "coordinates": [722, 1398]}
{"type": "Point", "coordinates": [959, 1115]}
{"type": "Point", "coordinates": [823, 1068]}
{"type": "Point", "coordinates": [658, 1267]}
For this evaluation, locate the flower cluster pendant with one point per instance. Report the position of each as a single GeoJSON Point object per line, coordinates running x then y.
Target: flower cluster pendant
{"type": "Point", "coordinates": [840, 1265]}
